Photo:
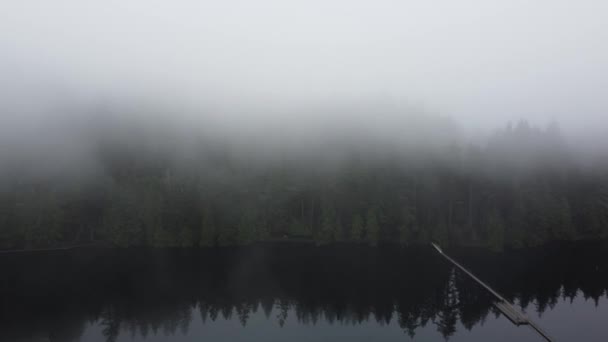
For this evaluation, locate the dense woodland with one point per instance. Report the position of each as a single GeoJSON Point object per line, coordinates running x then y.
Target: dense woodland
{"type": "Point", "coordinates": [522, 186]}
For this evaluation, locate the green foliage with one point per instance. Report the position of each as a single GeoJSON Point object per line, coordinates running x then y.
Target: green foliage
{"type": "Point", "coordinates": [439, 233]}
{"type": "Point", "coordinates": [186, 237]}
{"type": "Point", "coordinates": [122, 225]}
{"type": "Point", "coordinates": [298, 228]}
{"type": "Point", "coordinates": [357, 228]}
{"type": "Point", "coordinates": [262, 231]}
{"type": "Point", "coordinates": [372, 228]}
{"type": "Point", "coordinates": [517, 191]}
{"type": "Point", "coordinates": [515, 234]}
{"type": "Point", "coordinates": [408, 226]}
{"type": "Point", "coordinates": [121, 228]}
{"type": "Point", "coordinates": [329, 223]}
{"type": "Point", "coordinates": [8, 232]}
{"type": "Point", "coordinates": [247, 228]}
{"type": "Point", "coordinates": [227, 236]}
{"type": "Point", "coordinates": [208, 232]}
{"type": "Point", "coordinates": [496, 230]}
{"type": "Point", "coordinates": [562, 226]}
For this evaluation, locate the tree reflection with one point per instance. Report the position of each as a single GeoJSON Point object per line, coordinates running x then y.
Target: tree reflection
{"type": "Point", "coordinates": [151, 292]}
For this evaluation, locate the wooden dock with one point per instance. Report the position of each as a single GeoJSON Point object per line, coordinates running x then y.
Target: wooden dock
{"type": "Point", "coordinates": [503, 305]}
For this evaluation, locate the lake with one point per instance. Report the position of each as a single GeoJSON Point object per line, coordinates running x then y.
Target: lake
{"type": "Point", "coordinates": [298, 292]}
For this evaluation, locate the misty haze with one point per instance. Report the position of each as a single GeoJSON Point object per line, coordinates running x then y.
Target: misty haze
{"type": "Point", "coordinates": [303, 170]}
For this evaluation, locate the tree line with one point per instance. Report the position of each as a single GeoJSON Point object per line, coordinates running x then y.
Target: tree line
{"type": "Point", "coordinates": [522, 187]}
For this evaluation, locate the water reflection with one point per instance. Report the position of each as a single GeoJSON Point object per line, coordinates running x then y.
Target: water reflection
{"type": "Point", "coordinates": [146, 293]}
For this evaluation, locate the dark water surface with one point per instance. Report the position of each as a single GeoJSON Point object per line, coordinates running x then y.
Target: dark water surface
{"type": "Point", "coordinates": [292, 292]}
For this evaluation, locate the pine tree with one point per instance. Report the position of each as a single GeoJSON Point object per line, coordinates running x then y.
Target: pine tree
{"type": "Point", "coordinates": [372, 228]}
{"type": "Point", "coordinates": [208, 233]}
{"type": "Point", "coordinates": [326, 231]}
{"type": "Point", "coordinates": [357, 228]}
{"type": "Point", "coordinates": [246, 230]}
{"type": "Point", "coordinates": [408, 224]}
{"type": "Point", "coordinates": [496, 230]}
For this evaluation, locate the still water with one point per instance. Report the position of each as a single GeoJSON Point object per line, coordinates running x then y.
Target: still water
{"type": "Point", "coordinates": [295, 292]}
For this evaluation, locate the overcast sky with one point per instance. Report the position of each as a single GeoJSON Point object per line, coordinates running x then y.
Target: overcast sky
{"type": "Point", "coordinates": [482, 62]}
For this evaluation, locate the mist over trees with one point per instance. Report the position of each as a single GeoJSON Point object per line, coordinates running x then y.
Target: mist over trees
{"type": "Point", "coordinates": [343, 180]}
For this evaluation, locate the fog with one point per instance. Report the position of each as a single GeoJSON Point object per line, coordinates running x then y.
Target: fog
{"type": "Point", "coordinates": [244, 132]}
{"type": "Point", "coordinates": [270, 74]}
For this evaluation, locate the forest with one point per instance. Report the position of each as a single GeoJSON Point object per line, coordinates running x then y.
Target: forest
{"type": "Point", "coordinates": [522, 186]}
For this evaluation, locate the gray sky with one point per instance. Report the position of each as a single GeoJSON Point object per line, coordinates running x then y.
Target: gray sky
{"type": "Point", "coordinates": [481, 62]}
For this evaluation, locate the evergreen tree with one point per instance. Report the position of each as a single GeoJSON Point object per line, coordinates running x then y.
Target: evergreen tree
{"type": "Point", "coordinates": [357, 228]}
{"type": "Point", "coordinates": [496, 230]}
{"type": "Point", "coordinates": [326, 231]}
{"type": "Point", "coordinates": [227, 235]}
{"type": "Point", "coordinates": [208, 232]}
{"type": "Point", "coordinates": [247, 228]}
{"type": "Point", "coordinates": [408, 225]}
{"type": "Point", "coordinates": [372, 228]}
